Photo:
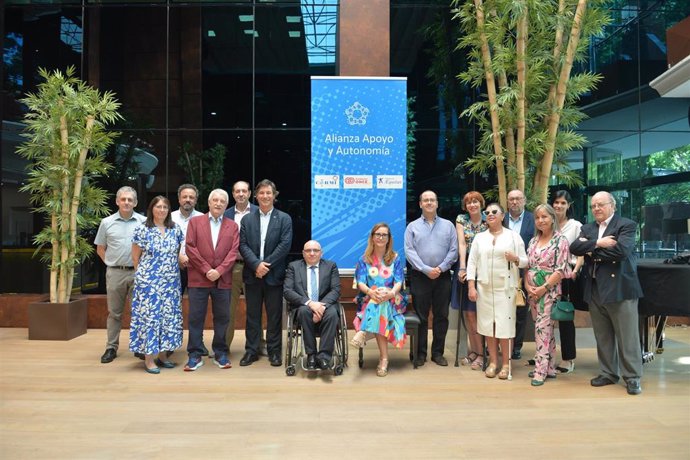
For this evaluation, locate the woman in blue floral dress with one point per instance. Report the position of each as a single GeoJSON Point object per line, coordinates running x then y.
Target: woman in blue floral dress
{"type": "Point", "coordinates": [380, 277]}
{"type": "Point", "coordinates": [156, 325]}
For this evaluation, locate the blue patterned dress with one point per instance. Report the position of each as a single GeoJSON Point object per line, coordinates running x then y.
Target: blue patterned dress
{"type": "Point", "coordinates": [385, 318]}
{"type": "Point", "coordinates": [156, 323]}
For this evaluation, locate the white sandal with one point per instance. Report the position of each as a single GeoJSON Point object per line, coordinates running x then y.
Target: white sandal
{"type": "Point", "coordinates": [359, 339]}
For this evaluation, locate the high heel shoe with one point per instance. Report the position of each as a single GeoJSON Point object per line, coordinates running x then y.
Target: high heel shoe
{"type": "Point", "coordinates": [382, 369]}
{"type": "Point", "coordinates": [359, 339]}
{"type": "Point", "coordinates": [570, 367]}
{"type": "Point", "coordinates": [490, 371]}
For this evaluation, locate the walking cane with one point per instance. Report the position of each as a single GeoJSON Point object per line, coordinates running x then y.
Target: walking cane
{"type": "Point", "coordinates": [457, 339]}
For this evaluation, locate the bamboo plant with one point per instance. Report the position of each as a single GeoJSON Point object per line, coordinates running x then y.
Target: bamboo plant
{"type": "Point", "coordinates": [66, 138]}
{"type": "Point", "coordinates": [523, 53]}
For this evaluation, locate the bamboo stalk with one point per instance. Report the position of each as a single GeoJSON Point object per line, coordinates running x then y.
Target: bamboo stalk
{"type": "Point", "coordinates": [491, 92]}
{"type": "Point", "coordinates": [543, 179]}
{"type": "Point", "coordinates": [64, 212]}
{"type": "Point", "coordinates": [521, 99]}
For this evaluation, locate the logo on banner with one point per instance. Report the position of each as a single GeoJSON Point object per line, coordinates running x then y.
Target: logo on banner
{"type": "Point", "coordinates": [357, 114]}
{"type": "Point", "coordinates": [326, 181]}
{"type": "Point", "coordinates": [389, 181]}
{"type": "Point", "coordinates": [357, 181]}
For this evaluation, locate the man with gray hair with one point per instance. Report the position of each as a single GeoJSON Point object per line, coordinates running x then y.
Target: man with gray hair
{"type": "Point", "coordinates": [212, 242]}
{"type": "Point", "coordinates": [114, 246]}
{"type": "Point", "coordinates": [612, 291]}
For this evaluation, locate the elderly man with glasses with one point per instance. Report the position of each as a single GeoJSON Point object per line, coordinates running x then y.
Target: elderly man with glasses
{"type": "Point", "coordinates": [312, 286]}
{"type": "Point", "coordinates": [612, 291]}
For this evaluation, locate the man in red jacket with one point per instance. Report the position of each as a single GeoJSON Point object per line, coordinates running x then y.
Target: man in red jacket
{"type": "Point", "coordinates": [211, 244]}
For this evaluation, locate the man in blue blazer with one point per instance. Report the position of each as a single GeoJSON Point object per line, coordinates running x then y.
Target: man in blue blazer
{"type": "Point", "coordinates": [612, 290]}
{"type": "Point", "coordinates": [312, 287]}
{"type": "Point", "coordinates": [521, 221]}
{"type": "Point", "coordinates": [265, 240]}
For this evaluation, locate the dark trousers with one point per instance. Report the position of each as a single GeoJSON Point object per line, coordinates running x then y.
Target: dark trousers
{"type": "Point", "coordinates": [567, 328]}
{"type": "Point", "coordinates": [327, 327]}
{"type": "Point", "coordinates": [257, 294]}
{"type": "Point", "coordinates": [220, 306]}
{"type": "Point", "coordinates": [183, 281]}
{"type": "Point", "coordinates": [520, 320]}
{"type": "Point", "coordinates": [431, 295]}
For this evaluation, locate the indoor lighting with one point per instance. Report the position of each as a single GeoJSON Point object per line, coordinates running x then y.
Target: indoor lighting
{"type": "Point", "coordinates": [293, 19]}
{"type": "Point", "coordinates": [246, 17]}
{"type": "Point", "coordinates": [251, 31]}
{"type": "Point", "coordinates": [294, 33]}
{"type": "Point", "coordinates": [211, 33]}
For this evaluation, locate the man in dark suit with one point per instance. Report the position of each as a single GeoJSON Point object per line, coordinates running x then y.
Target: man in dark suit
{"type": "Point", "coordinates": [265, 239]}
{"type": "Point", "coordinates": [211, 244]}
{"type": "Point", "coordinates": [242, 207]}
{"type": "Point", "coordinates": [612, 291]}
{"type": "Point", "coordinates": [521, 221]}
{"type": "Point", "coordinates": [312, 286]}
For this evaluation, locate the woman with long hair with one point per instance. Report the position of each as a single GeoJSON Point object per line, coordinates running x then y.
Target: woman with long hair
{"type": "Point", "coordinates": [156, 325]}
{"type": "Point", "coordinates": [493, 279]}
{"type": "Point", "coordinates": [468, 225]}
{"type": "Point", "coordinates": [570, 229]}
{"type": "Point", "coordinates": [548, 257]}
{"type": "Point", "coordinates": [379, 275]}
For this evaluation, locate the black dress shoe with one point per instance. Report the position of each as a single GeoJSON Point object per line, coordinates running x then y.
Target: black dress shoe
{"type": "Point", "coordinates": [311, 362]}
{"type": "Point", "coordinates": [420, 362]}
{"type": "Point", "coordinates": [248, 359]}
{"type": "Point", "coordinates": [275, 360]}
{"type": "Point", "coordinates": [601, 381]}
{"type": "Point", "coordinates": [323, 363]}
{"type": "Point", "coordinates": [633, 386]}
{"type": "Point", "coordinates": [109, 355]}
{"type": "Point", "coordinates": [517, 354]}
{"type": "Point", "coordinates": [440, 360]}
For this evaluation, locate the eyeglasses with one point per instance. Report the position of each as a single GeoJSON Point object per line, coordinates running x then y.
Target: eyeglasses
{"type": "Point", "coordinates": [600, 205]}
{"type": "Point", "coordinates": [493, 211]}
{"type": "Point", "coordinates": [381, 236]}
{"type": "Point", "coordinates": [311, 251]}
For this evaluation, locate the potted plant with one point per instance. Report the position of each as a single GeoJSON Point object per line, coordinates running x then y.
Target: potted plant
{"type": "Point", "coordinates": [66, 138]}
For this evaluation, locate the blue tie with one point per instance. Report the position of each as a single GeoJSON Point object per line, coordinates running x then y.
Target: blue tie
{"type": "Point", "coordinates": [314, 288]}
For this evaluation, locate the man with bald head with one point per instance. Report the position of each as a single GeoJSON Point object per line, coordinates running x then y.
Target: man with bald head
{"type": "Point", "coordinates": [312, 287]}
{"type": "Point", "coordinates": [612, 291]}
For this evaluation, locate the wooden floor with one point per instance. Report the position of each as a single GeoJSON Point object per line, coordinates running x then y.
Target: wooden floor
{"type": "Point", "coordinates": [58, 402]}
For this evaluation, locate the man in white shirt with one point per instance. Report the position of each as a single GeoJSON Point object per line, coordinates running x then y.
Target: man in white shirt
{"type": "Point", "coordinates": [187, 196]}
{"type": "Point", "coordinates": [241, 194]}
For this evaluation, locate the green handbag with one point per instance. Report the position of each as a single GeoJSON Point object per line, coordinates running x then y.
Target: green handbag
{"type": "Point", "coordinates": [563, 310]}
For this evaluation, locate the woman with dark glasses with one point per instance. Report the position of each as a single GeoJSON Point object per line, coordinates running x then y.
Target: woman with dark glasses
{"type": "Point", "coordinates": [493, 278]}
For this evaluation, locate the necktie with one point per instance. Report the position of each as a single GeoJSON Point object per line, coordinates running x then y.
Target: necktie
{"type": "Point", "coordinates": [314, 288]}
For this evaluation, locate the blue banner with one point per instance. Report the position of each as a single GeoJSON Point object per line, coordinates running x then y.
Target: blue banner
{"type": "Point", "coordinates": [358, 163]}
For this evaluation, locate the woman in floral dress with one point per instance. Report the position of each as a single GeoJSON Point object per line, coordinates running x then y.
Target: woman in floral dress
{"type": "Point", "coordinates": [547, 256]}
{"type": "Point", "coordinates": [156, 325]}
{"type": "Point", "coordinates": [379, 275]}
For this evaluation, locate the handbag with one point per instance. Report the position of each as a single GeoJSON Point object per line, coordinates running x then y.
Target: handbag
{"type": "Point", "coordinates": [520, 299]}
{"type": "Point", "coordinates": [563, 310]}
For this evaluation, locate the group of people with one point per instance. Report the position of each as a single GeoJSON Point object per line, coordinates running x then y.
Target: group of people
{"type": "Point", "coordinates": [478, 265]}
{"type": "Point", "coordinates": [214, 256]}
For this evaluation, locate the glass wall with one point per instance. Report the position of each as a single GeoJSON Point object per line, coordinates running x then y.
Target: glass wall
{"type": "Point", "coordinates": [232, 78]}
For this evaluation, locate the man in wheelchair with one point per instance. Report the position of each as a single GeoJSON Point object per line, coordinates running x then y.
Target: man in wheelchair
{"type": "Point", "coordinates": [312, 287]}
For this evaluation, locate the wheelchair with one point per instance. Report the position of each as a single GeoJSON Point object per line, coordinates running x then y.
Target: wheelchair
{"type": "Point", "coordinates": [295, 354]}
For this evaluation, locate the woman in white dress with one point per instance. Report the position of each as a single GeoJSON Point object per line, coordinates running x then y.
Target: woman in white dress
{"type": "Point", "coordinates": [493, 278]}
